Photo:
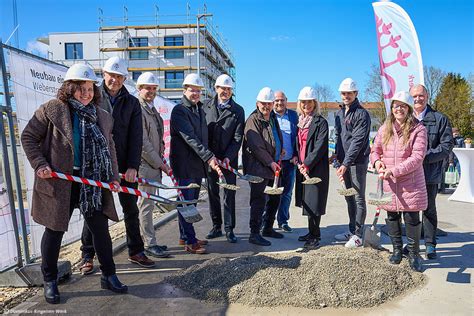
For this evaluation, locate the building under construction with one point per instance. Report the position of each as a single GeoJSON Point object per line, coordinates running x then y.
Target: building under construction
{"type": "Point", "coordinates": [168, 50]}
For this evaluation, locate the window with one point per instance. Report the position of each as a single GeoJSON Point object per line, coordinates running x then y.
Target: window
{"type": "Point", "coordinates": [73, 51]}
{"type": "Point", "coordinates": [138, 42]}
{"type": "Point", "coordinates": [174, 79]}
{"type": "Point", "coordinates": [174, 41]}
{"type": "Point", "coordinates": [135, 75]}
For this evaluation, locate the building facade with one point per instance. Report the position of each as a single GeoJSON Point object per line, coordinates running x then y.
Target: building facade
{"type": "Point", "coordinates": [169, 51]}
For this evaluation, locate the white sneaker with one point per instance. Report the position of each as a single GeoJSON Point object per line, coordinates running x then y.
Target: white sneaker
{"type": "Point", "coordinates": [343, 237]}
{"type": "Point", "coordinates": [354, 242]}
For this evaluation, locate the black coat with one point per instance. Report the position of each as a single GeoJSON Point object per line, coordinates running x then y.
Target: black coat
{"type": "Point", "coordinates": [258, 151]}
{"type": "Point", "coordinates": [440, 144]}
{"type": "Point", "coordinates": [189, 150]}
{"type": "Point", "coordinates": [352, 133]}
{"type": "Point", "coordinates": [225, 129]}
{"type": "Point", "coordinates": [313, 197]}
{"type": "Point", "coordinates": [128, 129]}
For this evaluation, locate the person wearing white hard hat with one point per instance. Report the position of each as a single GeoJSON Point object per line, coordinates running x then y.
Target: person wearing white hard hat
{"type": "Point", "coordinates": [128, 138]}
{"type": "Point", "coordinates": [312, 146]}
{"type": "Point", "coordinates": [189, 153]}
{"type": "Point", "coordinates": [440, 144]}
{"type": "Point", "coordinates": [225, 122]}
{"type": "Point", "coordinates": [152, 161]}
{"type": "Point", "coordinates": [352, 127]}
{"type": "Point", "coordinates": [288, 121]}
{"type": "Point", "coordinates": [398, 152]}
{"type": "Point", "coordinates": [62, 135]}
{"type": "Point", "coordinates": [261, 152]}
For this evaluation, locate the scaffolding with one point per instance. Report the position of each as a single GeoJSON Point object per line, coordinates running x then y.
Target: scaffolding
{"type": "Point", "coordinates": [117, 34]}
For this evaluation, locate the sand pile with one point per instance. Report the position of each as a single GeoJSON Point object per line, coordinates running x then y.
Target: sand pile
{"type": "Point", "coordinates": [331, 276]}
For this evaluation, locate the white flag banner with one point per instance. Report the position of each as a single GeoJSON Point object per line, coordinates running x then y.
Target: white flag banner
{"type": "Point", "coordinates": [399, 51]}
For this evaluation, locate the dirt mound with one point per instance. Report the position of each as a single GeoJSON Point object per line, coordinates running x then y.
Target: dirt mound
{"type": "Point", "coordinates": [331, 276]}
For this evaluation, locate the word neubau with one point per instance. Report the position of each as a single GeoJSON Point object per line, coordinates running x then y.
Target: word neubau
{"type": "Point", "coordinates": [45, 76]}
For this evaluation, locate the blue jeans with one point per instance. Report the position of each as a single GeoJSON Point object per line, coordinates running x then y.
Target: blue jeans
{"type": "Point", "coordinates": [287, 180]}
{"type": "Point", "coordinates": [186, 230]}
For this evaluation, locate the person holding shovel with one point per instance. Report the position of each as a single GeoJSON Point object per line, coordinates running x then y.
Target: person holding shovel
{"type": "Point", "coordinates": [312, 146]}
{"type": "Point", "coordinates": [72, 134]}
{"type": "Point", "coordinates": [262, 148]}
{"type": "Point", "coordinates": [398, 152]}
{"type": "Point", "coordinates": [189, 153]}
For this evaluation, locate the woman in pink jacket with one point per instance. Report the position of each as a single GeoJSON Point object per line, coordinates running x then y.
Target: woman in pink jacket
{"type": "Point", "coordinates": [398, 152]}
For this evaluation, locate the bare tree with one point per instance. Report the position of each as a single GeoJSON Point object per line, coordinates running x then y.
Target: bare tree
{"type": "Point", "coordinates": [373, 93]}
{"type": "Point", "coordinates": [324, 93]}
{"type": "Point", "coordinates": [433, 80]}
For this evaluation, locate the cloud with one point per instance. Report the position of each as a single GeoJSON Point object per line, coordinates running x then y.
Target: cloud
{"type": "Point", "coordinates": [280, 38]}
{"type": "Point", "coordinates": [37, 48]}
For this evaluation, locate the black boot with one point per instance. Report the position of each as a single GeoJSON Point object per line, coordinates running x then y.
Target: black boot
{"type": "Point", "coordinates": [395, 233]}
{"type": "Point", "coordinates": [257, 239]}
{"type": "Point", "coordinates": [112, 283]}
{"type": "Point", "coordinates": [413, 236]}
{"type": "Point", "coordinates": [51, 292]}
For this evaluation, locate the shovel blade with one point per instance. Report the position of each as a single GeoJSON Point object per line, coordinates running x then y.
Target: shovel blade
{"type": "Point", "coordinates": [190, 213]}
{"type": "Point", "coordinates": [372, 237]}
{"type": "Point", "coordinates": [273, 191]}
{"type": "Point", "coordinates": [347, 192]}
{"type": "Point", "coordinates": [251, 179]}
{"type": "Point", "coordinates": [228, 186]}
{"type": "Point", "coordinates": [312, 181]}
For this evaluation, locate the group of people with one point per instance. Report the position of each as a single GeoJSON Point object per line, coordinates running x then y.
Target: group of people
{"type": "Point", "coordinates": [106, 134]}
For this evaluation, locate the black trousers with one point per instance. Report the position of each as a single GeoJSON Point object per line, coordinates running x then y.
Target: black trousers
{"type": "Point", "coordinates": [132, 225]}
{"type": "Point", "coordinates": [314, 226]}
{"type": "Point", "coordinates": [260, 203]}
{"type": "Point", "coordinates": [215, 200]}
{"type": "Point", "coordinates": [430, 216]}
{"type": "Point", "coordinates": [410, 218]}
{"type": "Point", "coordinates": [98, 226]}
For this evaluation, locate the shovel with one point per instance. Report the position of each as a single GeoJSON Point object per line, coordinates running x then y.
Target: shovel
{"type": "Point", "coordinates": [189, 212]}
{"type": "Point", "coordinates": [274, 190]}
{"type": "Point", "coordinates": [380, 198]}
{"type": "Point", "coordinates": [372, 234]}
{"type": "Point", "coordinates": [309, 180]}
{"type": "Point", "coordinates": [345, 191]}
{"type": "Point", "coordinates": [223, 183]}
{"type": "Point", "coordinates": [160, 185]}
{"type": "Point", "coordinates": [247, 177]}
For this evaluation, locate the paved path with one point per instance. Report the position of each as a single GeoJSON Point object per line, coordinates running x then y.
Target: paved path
{"type": "Point", "coordinates": [449, 289]}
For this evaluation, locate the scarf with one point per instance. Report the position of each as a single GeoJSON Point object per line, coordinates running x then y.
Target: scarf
{"type": "Point", "coordinates": [96, 161]}
{"type": "Point", "coordinates": [305, 121]}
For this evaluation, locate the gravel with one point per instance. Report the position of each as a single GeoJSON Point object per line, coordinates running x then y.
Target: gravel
{"type": "Point", "coordinates": [331, 276]}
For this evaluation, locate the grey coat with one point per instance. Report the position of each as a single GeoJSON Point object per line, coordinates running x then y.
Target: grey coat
{"type": "Point", "coordinates": [47, 141]}
{"type": "Point", "coordinates": [225, 129]}
{"type": "Point", "coordinates": [153, 144]}
{"type": "Point", "coordinates": [313, 198]}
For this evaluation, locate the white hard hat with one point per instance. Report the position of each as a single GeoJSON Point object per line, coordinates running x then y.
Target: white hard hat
{"type": "Point", "coordinates": [403, 96]}
{"type": "Point", "coordinates": [224, 81]}
{"type": "Point", "coordinates": [193, 80]}
{"type": "Point", "coordinates": [348, 85]}
{"type": "Point", "coordinates": [116, 65]}
{"type": "Point", "coordinates": [307, 93]}
{"type": "Point", "coordinates": [147, 78]}
{"type": "Point", "coordinates": [80, 72]}
{"type": "Point", "coordinates": [266, 95]}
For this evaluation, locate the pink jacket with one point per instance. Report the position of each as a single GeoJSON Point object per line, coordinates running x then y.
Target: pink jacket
{"type": "Point", "coordinates": [406, 163]}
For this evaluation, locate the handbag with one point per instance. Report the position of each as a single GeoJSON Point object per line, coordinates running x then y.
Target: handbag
{"type": "Point", "coordinates": [450, 176]}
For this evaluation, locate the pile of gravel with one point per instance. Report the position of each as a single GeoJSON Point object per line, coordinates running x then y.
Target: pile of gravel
{"type": "Point", "coordinates": [331, 276]}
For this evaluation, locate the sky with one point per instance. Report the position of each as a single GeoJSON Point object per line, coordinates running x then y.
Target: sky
{"type": "Point", "coordinates": [285, 45]}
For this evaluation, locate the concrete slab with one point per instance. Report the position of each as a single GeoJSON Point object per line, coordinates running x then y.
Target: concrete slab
{"type": "Point", "coordinates": [449, 288]}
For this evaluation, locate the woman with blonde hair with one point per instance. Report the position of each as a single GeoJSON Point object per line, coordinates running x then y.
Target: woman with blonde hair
{"type": "Point", "coordinates": [312, 146]}
{"type": "Point", "coordinates": [398, 152]}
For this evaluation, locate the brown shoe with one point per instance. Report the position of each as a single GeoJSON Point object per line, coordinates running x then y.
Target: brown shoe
{"type": "Point", "coordinates": [87, 266]}
{"type": "Point", "coordinates": [182, 242]}
{"type": "Point", "coordinates": [195, 248]}
{"type": "Point", "coordinates": [142, 260]}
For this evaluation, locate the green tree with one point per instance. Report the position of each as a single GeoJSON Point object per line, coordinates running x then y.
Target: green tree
{"type": "Point", "coordinates": [455, 100]}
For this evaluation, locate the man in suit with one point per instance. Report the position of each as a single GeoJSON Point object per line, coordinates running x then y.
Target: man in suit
{"type": "Point", "coordinates": [225, 122]}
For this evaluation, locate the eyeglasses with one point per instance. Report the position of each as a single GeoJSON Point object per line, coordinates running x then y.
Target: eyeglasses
{"type": "Point", "coordinates": [399, 106]}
